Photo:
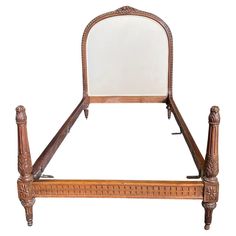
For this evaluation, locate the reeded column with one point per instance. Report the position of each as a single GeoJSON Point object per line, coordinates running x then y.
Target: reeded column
{"type": "Point", "coordinates": [211, 167]}
{"type": "Point", "coordinates": [25, 180]}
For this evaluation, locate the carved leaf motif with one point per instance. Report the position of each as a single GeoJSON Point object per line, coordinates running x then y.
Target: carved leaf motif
{"type": "Point", "coordinates": [125, 10]}
{"type": "Point", "coordinates": [211, 167]}
{"type": "Point", "coordinates": [20, 115]}
{"type": "Point", "coordinates": [24, 164]}
{"type": "Point", "coordinates": [24, 190]}
{"type": "Point", "coordinates": [214, 117]}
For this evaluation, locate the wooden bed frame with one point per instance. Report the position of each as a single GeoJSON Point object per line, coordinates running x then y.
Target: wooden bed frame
{"type": "Point", "coordinates": [31, 186]}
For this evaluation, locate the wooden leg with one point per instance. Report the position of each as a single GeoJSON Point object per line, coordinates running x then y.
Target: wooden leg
{"type": "Point", "coordinates": [168, 111]}
{"type": "Point", "coordinates": [209, 207]}
{"type": "Point", "coordinates": [86, 113]}
{"type": "Point", "coordinates": [211, 167]}
{"type": "Point", "coordinates": [25, 180]}
{"type": "Point", "coordinates": [28, 205]}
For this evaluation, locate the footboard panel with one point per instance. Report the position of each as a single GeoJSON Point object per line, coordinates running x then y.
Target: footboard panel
{"type": "Point", "coordinates": [119, 189]}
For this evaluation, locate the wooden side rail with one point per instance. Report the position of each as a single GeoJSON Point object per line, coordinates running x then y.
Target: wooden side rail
{"type": "Point", "coordinates": [196, 154]}
{"type": "Point", "coordinates": [52, 147]}
{"type": "Point", "coordinates": [119, 189]}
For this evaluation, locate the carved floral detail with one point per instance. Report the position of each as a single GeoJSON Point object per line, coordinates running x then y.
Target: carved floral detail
{"type": "Point", "coordinates": [125, 10]}
{"type": "Point", "coordinates": [211, 167]}
{"type": "Point", "coordinates": [214, 117]}
{"type": "Point", "coordinates": [211, 193]}
{"type": "Point", "coordinates": [104, 190]}
{"type": "Point", "coordinates": [20, 115]}
{"type": "Point", "coordinates": [24, 164]}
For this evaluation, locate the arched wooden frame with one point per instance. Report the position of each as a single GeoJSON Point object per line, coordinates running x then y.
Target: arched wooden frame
{"type": "Point", "coordinates": [30, 185]}
{"type": "Point", "coordinates": [121, 12]}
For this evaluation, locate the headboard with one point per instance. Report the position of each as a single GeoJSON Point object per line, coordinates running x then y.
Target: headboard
{"type": "Point", "coordinates": [127, 56]}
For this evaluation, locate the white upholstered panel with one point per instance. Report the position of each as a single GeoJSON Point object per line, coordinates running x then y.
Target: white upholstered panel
{"type": "Point", "coordinates": [127, 56]}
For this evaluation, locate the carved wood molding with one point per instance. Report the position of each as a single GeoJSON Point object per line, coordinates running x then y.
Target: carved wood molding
{"type": "Point", "coordinates": [100, 189]}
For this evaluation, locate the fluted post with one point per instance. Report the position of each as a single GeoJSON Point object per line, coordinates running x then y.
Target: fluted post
{"type": "Point", "coordinates": [25, 180]}
{"type": "Point", "coordinates": [211, 167]}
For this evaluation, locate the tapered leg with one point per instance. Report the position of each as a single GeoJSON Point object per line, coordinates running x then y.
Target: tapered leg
{"type": "Point", "coordinates": [86, 113]}
{"type": "Point", "coordinates": [28, 205]}
{"type": "Point", "coordinates": [209, 207]}
{"type": "Point", "coordinates": [24, 183]}
{"type": "Point", "coordinates": [168, 111]}
{"type": "Point", "coordinates": [211, 167]}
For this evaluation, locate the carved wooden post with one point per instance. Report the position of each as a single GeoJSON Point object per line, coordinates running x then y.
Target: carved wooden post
{"type": "Point", "coordinates": [211, 167]}
{"type": "Point", "coordinates": [25, 180]}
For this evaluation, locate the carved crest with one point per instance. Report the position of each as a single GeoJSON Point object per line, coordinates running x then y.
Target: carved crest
{"type": "Point", "coordinates": [125, 10]}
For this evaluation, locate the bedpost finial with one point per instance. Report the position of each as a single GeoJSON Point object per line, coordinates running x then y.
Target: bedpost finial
{"type": "Point", "coordinates": [20, 115]}
{"type": "Point", "coordinates": [214, 117]}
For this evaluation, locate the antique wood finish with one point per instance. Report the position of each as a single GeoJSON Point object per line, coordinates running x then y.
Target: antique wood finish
{"type": "Point", "coordinates": [168, 107]}
{"type": "Point", "coordinates": [127, 99]}
{"type": "Point", "coordinates": [52, 147]}
{"type": "Point", "coordinates": [211, 167]}
{"type": "Point", "coordinates": [119, 189]}
{"type": "Point", "coordinates": [126, 10]}
{"type": "Point", "coordinates": [31, 186]}
{"type": "Point", "coordinates": [86, 113]}
{"type": "Point", "coordinates": [196, 154]}
{"type": "Point", "coordinates": [24, 183]}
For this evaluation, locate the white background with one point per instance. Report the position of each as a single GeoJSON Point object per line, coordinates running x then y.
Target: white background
{"type": "Point", "coordinates": [40, 68]}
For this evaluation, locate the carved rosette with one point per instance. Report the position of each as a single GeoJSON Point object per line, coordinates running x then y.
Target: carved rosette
{"type": "Point", "coordinates": [211, 192]}
{"type": "Point", "coordinates": [24, 189]}
{"type": "Point", "coordinates": [125, 10]}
